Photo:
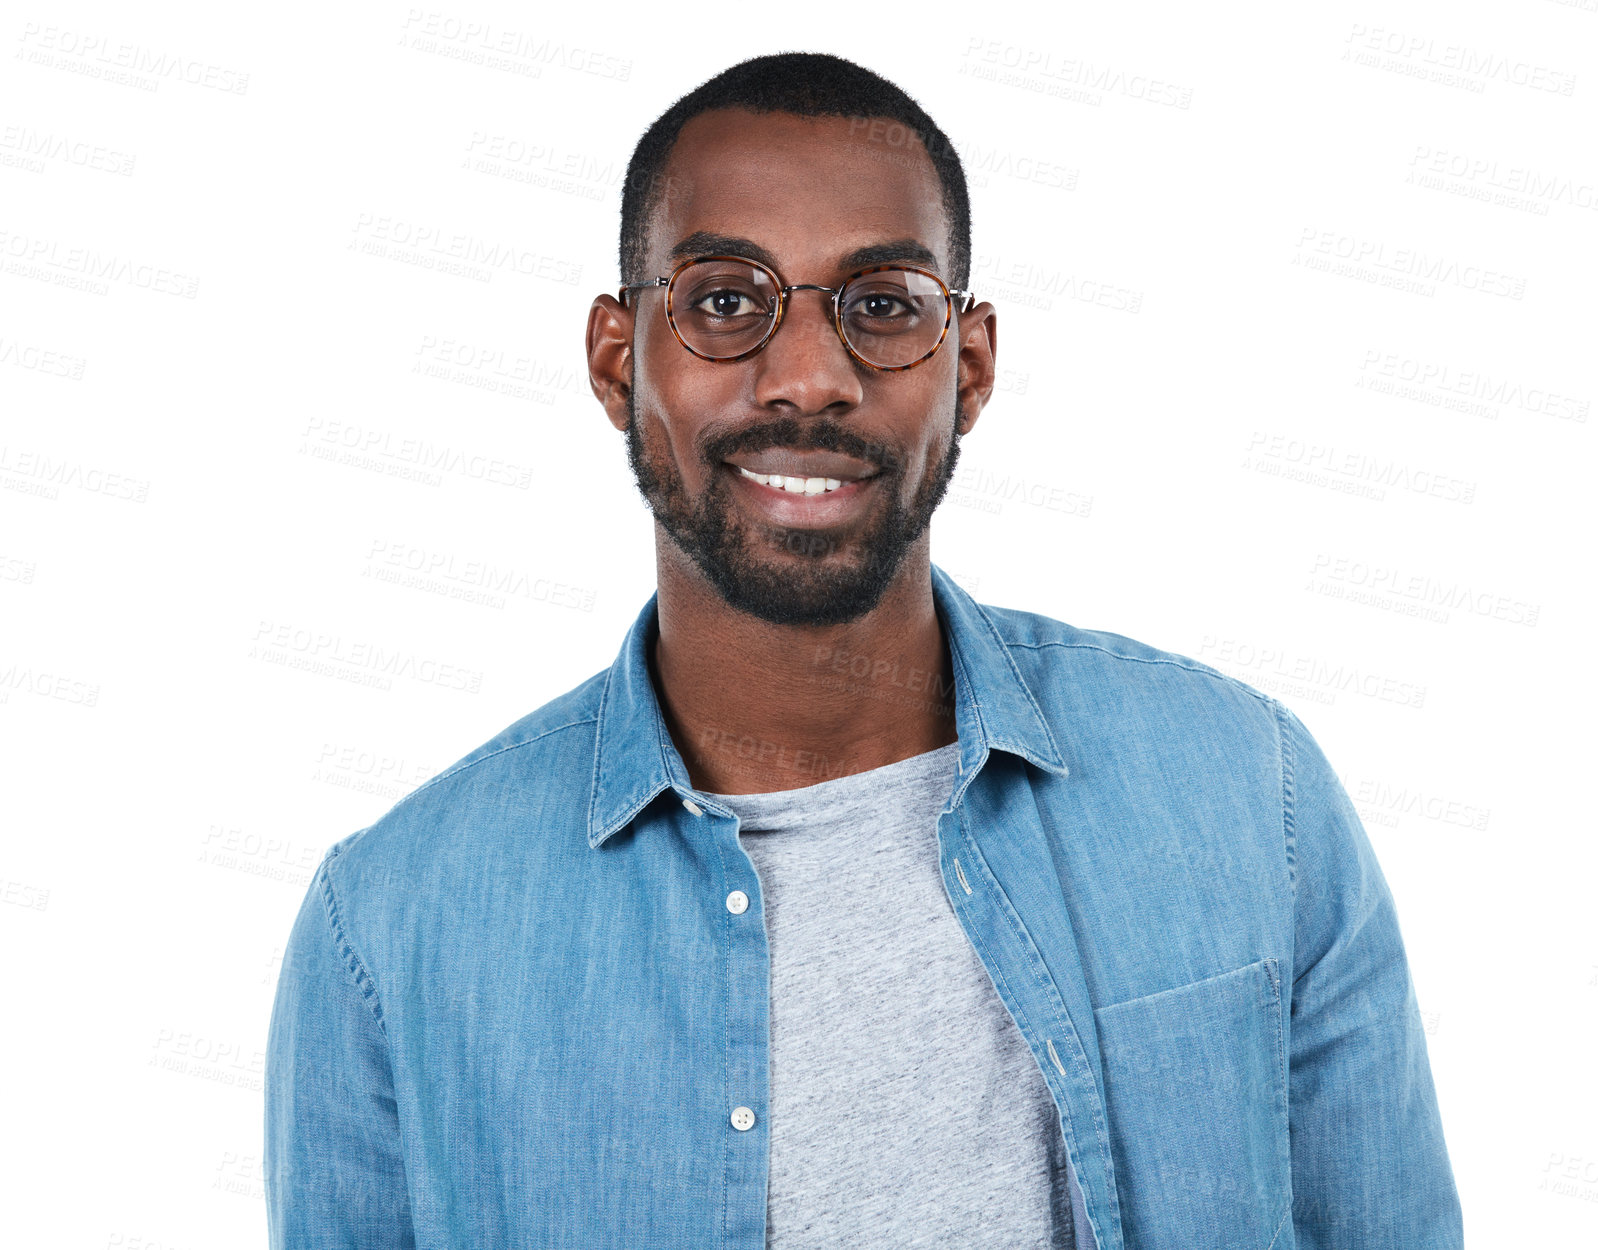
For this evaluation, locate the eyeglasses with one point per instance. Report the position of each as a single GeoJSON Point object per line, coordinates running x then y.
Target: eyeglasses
{"type": "Point", "coordinates": [726, 308]}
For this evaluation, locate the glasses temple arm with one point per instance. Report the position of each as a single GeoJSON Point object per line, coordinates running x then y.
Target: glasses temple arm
{"type": "Point", "coordinates": [621, 291]}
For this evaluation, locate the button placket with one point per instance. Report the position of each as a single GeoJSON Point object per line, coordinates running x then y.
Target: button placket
{"type": "Point", "coordinates": [746, 1069]}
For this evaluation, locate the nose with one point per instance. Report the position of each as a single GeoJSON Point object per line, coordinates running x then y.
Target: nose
{"type": "Point", "coordinates": [805, 365]}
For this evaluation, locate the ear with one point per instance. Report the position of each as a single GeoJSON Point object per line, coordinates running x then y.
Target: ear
{"type": "Point", "coordinates": [979, 345]}
{"type": "Point", "coordinates": [610, 356]}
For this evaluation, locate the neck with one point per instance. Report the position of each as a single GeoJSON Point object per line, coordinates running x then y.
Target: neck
{"type": "Point", "coordinates": [755, 707]}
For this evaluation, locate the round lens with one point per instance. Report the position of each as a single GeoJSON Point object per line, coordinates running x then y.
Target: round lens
{"type": "Point", "coordinates": [893, 317]}
{"type": "Point", "coordinates": [723, 308]}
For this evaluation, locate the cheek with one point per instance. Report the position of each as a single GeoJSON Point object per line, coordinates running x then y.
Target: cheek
{"type": "Point", "coordinates": [937, 404]}
{"type": "Point", "coordinates": [653, 346]}
{"type": "Point", "coordinates": [672, 406]}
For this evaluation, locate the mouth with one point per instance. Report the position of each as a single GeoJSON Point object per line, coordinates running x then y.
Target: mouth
{"type": "Point", "coordinates": [802, 472]}
{"type": "Point", "coordinates": [787, 500]}
{"type": "Point", "coordinates": [796, 485]}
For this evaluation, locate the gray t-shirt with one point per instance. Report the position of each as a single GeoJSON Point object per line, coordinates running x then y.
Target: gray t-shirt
{"type": "Point", "coordinates": [906, 1109]}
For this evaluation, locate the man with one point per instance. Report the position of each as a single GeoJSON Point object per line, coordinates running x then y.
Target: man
{"type": "Point", "coordinates": [841, 910]}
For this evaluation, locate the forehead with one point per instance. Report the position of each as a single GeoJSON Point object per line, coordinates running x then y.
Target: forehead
{"type": "Point", "coordinates": [808, 190]}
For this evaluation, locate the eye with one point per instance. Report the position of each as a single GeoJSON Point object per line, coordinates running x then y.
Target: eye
{"type": "Point", "coordinates": [886, 307]}
{"type": "Point", "coordinates": [728, 302]}
{"type": "Point", "coordinates": [877, 305]}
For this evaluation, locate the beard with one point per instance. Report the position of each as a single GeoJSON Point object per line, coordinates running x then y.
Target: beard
{"type": "Point", "coordinates": [809, 578]}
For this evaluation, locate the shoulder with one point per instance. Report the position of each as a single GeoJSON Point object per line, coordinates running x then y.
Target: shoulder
{"type": "Point", "coordinates": [554, 728]}
{"type": "Point", "coordinates": [549, 749]}
{"type": "Point", "coordinates": [1098, 675]}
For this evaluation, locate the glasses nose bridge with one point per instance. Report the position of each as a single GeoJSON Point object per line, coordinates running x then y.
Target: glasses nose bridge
{"type": "Point", "coordinates": [831, 306]}
{"type": "Point", "coordinates": [811, 286]}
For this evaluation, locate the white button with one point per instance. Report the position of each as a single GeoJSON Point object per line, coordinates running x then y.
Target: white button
{"type": "Point", "coordinates": [693, 807]}
{"type": "Point", "coordinates": [737, 902]}
{"type": "Point", "coordinates": [743, 1119]}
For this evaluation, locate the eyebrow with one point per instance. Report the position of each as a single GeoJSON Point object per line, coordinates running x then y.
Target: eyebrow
{"type": "Point", "coordinates": [709, 243]}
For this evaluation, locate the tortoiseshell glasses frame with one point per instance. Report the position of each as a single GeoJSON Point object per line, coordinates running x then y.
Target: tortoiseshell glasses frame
{"type": "Point", "coordinates": [967, 302]}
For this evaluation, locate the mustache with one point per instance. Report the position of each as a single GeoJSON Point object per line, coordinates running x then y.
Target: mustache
{"type": "Point", "coordinates": [791, 434]}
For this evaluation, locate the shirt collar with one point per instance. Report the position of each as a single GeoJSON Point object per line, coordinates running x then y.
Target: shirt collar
{"type": "Point", "coordinates": [636, 759]}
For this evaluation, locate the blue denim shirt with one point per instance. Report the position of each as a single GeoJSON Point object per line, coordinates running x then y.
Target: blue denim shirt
{"type": "Point", "coordinates": [518, 1011]}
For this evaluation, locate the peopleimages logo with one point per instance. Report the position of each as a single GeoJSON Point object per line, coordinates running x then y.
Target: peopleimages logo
{"type": "Point", "coordinates": [1277, 671]}
{"type": "Point", "coordinates": [1407, 262]}
{"type": "Point", "coordinates": [355, 660]}
{"type": "Point", "coordinates": [1387, 804]}
{"type": "Point", "coordinates": [1044, 70]}
{"type": "Point", "coordinates": [1381, 581]}
{"type": "Point", "coordinates": [432, 30]}
{"type": "Point", "coordinates": [49, 259]}
{"type": "Point", "coordinates": [1373, 473]}
{"type": "Point", "coordinates": [1486, 176]}
{"type": "Point", "coordinates": [430, 245]}
{"type": "Point", "coordinates": [1367, 43]}
{"type": "Point", "coordinates": [385, 450]}
{"type": "Point", "coordinates": [1447, 380]}
{"type": "Point", "coordinates": [115, 60]}
{"type": "Point", "coordinates": [33, 148]}
{"type": "Point", "coordinates": [40, 359]}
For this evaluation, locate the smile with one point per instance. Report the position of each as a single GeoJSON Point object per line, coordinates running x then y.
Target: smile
{"type": "Point", "coordinates": [790, 501]}
{"type": "Point", "coordinates": [793, 485]}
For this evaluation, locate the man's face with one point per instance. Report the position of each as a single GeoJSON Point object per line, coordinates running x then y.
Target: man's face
{"type": "Point", "coordinates": [806, 192]}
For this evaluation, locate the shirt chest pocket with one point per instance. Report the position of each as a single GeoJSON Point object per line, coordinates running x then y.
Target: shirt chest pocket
{"type": "Point", "coordinates": [1196, 1091]}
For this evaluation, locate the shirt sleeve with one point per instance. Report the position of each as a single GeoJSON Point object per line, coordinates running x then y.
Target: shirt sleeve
{"type": "Point", "coordinates": [1370, 1168]}
{"type": "Point", "coordinates": [335, 1173]}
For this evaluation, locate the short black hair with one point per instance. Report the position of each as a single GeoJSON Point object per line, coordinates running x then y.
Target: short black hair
{"type": "Point", "coordinates": [808, 84]}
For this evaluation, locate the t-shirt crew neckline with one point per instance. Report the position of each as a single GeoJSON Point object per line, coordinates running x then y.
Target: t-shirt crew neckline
{"type": "Point", "coordinates": [839, 790]}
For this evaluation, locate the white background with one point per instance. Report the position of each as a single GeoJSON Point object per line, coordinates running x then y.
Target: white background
{"type": "Point", "coordinates": [1297, 350]}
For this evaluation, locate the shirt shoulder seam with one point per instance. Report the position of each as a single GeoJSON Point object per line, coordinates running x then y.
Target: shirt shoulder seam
{"type": "Point", "coordinates": [513, 746]}
{"type": "Point", "coordinates": [1288, 752]}
{"type": "Point", "coordinates": [1287, 756]}
{"type": "Point", "coordinates": [353, 964]}
{"type": "Point", "coordinates": [1202, 670]}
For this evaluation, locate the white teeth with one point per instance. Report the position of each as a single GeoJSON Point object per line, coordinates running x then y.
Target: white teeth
{"type": "Point", "coordinates": [793, 485]}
